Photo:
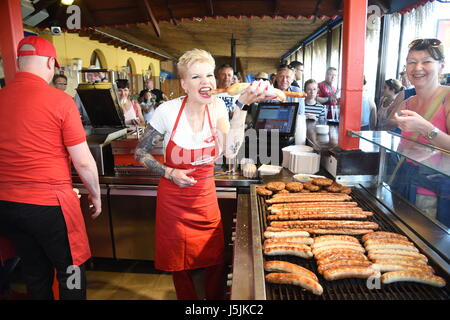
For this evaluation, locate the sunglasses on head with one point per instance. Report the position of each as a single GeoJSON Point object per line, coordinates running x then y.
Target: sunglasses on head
{"type": "Point", "coordinates": [431, 45]}
{"type": "Point", "coordinates": [283, 66]}
{"type": "Point", "coordinates": [425, 42]}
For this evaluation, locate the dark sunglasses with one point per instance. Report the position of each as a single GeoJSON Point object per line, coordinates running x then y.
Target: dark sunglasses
{"type": "Point", "coordinates": [425, 42]}
{"type": "Point", "coordinates": [283, 66]}
{"type": "Point", "coordinates": [431, 45]}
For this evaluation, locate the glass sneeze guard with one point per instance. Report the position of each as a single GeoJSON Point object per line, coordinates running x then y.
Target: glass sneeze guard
{"type": "Point", "coordinates": [417, 152]}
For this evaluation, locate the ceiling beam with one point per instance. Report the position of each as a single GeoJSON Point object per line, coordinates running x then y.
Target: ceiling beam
{"type": "Point", "coordinates": [211, 8]}
{"type": "Point", "coordinates": [172, 18]}
{"type": "Point", "coordinates": [152, 18]}
{"type": "Point", "coordinates": [316, 10]}
{"type": "Point", "coordinates": [38, 7]}
{"type": "Point", "coordinates": [86, 14]}
{"type": "Point", "coordinates": [276, 7]}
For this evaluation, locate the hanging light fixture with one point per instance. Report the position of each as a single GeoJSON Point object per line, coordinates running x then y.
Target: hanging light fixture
{"type": "Point", "coordinates": [67, 2]}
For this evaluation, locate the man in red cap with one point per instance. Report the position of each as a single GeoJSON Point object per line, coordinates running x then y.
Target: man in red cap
{"type": "Point", "coordinates": [39, 211]}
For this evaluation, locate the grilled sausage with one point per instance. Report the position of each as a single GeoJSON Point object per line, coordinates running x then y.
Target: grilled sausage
{"type": "Point", "coordinates": [395, 246]}
{"type": "Point", "coordinates": [343, 263]}
{"type": "Point", "coordinates": [297, 280]}
{"type": "Point", "coordinates": [386, 267]}
{"type": "Point", "coordinates": [395, 252]}
{"type": "Point", "coordinates": [285, 233]}
{"type": "Point", "coordinates": [335, 237]}
{"type": "Point", "coordinates": [325, 224]}
{"type": "Point", "coordinates": [284, 266]}
{"type": "Point", "coordinates": [376, 257]}
{"type": "Point", "coordinates": [322, 215]}
{"type": "Point", "coordinates": [320, 244]}
{"type": "Point", "coordinates": [317, 251]}
{"type": "Point", "coordinates": [306, 197]}
{"type": "Point", "coordinates": [289, 251]}
{"type": "Point", "coordinates": [394, 260]}
{"type": "Point", "coordinates": [350, 272]}
{"type": "Point", "coordinates": [314, 209]}
{"type": "Point", "coordinates": [325, 254]}
{"type": "Point", "coordinates": [334, 257]}
{"type": "Point", "coordinates": [383, 235]}
{"type": "Point", "coordinates": [345, 204]}
{"type": "Point", "coordinates": [340, 231]}
{"type": "Point", "coordinates": [388, 241]}
{"type": "Point", "coordinates": [304, 240]}
{"type": "Point", "coordinates": [412, 276]}
{"type": "Point", "coordinates": [299, 246]}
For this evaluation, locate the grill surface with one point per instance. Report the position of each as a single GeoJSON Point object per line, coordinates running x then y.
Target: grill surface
{"type": "Point", "coordinates": [351, 289]}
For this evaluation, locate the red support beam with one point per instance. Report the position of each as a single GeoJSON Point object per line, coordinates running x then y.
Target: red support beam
{"type": "Point", "coordinates": [11, 32]}
{"type": "Point", "coordinates": [354, 38]}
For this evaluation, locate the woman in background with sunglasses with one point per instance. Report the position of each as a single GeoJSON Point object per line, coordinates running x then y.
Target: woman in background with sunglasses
{"type": "Point", "coordinates": [425, 118]}
{"type": "Point", "coordinates": [424, 65]}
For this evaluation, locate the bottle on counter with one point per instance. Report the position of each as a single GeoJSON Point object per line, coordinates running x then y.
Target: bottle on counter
{"type": "Point", "coordinates": [300, 129]}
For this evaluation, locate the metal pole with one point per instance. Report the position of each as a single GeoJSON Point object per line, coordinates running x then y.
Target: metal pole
{"type": "Point", "coordinates": [233, 53]}
{"type": "Point", "coordinates": [11, 32]}
{"type": "Point", "coordinates": [354, 32]}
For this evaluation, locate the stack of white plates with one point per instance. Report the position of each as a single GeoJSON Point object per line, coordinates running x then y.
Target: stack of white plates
{"type": "Point", "coordinates": [304, 162]}
{"type": "Point", "coordinates": [294, 148]}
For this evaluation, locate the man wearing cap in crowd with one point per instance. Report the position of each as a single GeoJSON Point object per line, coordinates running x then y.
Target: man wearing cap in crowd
{"type": "Point", "coordinates": [262, 76]}
{"type": "Point", "coordinates": [39, 210]}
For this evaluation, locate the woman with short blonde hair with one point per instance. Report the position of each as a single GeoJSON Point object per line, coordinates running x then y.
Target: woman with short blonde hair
{"type": "Point", "coordinates": [194, 56]}
{"type": "Point", "coordinates": [189, 234]}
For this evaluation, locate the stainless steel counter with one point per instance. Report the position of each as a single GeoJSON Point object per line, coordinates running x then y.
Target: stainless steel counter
{"type": "Point", "coordinates": [221, 181]}
{"type": "Point", "coordinates": [248, 273]}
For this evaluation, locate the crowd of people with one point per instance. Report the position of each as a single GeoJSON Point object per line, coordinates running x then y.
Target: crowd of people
{"type": "Point", "coordinates": [41, 213]}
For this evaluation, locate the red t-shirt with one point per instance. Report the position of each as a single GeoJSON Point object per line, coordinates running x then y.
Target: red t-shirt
{"type": "Point", "coordinates": [37, 123]}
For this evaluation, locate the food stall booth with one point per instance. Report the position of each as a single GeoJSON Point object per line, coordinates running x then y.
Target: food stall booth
{"type": "Point", "coordinates": [356, 159]}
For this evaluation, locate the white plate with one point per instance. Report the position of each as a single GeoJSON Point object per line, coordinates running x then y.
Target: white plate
{"type": "Point", "coordinates": [303, 177]}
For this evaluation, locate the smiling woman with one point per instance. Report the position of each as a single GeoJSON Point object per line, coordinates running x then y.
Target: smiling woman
{"type": "Point", "coordinates": [424, 117]}
{"type": "Point", "coordinates": [189, 234]}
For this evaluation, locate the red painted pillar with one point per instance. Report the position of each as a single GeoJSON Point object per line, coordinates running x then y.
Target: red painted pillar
{"type": "Point", "coordinates": [11, 32]}
{"type": "Point", "coordinates": [354, 38]}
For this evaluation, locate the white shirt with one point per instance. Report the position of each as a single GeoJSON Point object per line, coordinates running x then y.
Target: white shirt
{"type": "Point", "coordinates": [230, 101]}
{"type": "Point", "coordinates": [165, 116]}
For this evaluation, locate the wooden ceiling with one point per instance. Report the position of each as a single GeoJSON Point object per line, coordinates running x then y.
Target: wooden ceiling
{"type": "Point", "coordinates": [256, 37]}
{"type": "Point", "coordinates": [164, 29]}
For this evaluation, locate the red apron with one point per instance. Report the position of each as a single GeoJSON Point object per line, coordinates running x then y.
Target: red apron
{"type": "Point", "coordinates": [70, 207]}
{"type": "Point", "coordinates": [189, 232]}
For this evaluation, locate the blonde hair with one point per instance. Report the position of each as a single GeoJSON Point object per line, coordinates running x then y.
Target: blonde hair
{"type": "Point", "coordinates": [194, 56]}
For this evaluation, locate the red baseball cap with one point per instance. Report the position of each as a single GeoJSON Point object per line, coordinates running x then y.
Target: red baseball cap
{"type": "Point", "coordinates": [42, 48]}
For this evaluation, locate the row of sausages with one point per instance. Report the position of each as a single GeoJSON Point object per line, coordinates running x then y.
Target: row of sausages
{"type": "Point", "coordinates": [294, 216]}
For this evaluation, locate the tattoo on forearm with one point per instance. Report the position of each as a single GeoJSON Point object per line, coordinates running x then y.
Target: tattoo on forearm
{"type": "Point", "coordinates": [151, 138]}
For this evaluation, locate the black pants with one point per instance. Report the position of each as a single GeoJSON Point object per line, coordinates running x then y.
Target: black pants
{"type": "Point", "coordinates": [39, 235]}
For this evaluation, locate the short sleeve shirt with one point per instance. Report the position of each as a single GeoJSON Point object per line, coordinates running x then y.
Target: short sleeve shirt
{"type": "Point", "coordinates": [38, 123]}
{"type": "Point", "coordinates": [166, 114]}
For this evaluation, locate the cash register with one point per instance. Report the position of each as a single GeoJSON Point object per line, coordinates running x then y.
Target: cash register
{"type": "Point", "coordinates": [274, 120]}
{"type": "Point", "coordinates": [101, 104]}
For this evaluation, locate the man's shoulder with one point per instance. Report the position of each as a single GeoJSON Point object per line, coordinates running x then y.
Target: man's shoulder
{"type": "Point", "coordinates": [294, 89]}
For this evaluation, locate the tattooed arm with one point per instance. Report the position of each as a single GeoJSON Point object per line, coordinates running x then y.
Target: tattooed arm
{"type": "Point", "coordinates": [234, 136]}
{"type": "Point", "coordinates": [150, 139]}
